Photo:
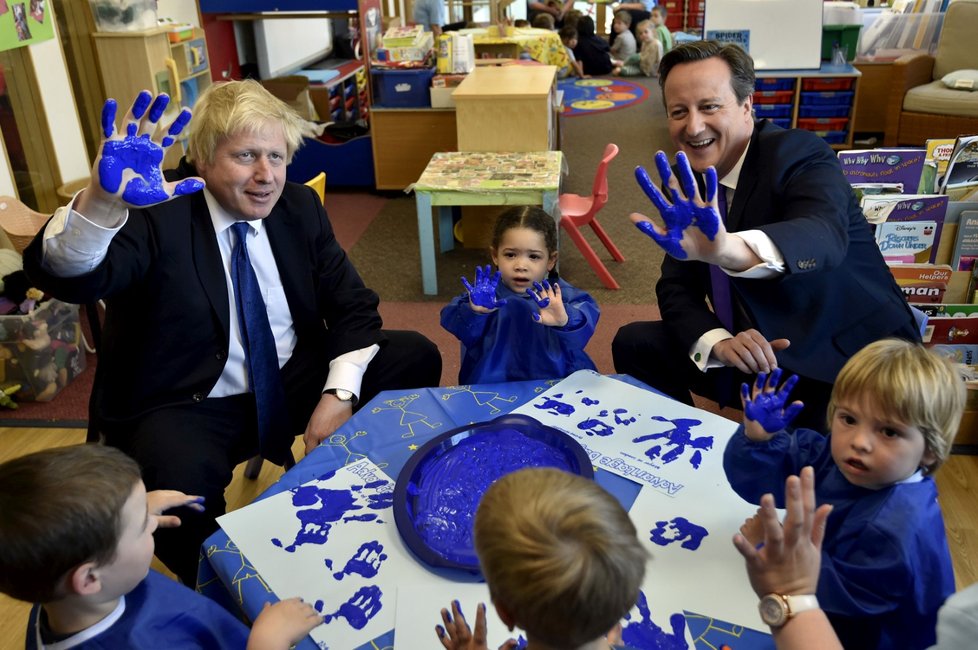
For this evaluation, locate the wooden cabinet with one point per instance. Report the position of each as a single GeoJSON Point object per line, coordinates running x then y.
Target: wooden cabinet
{"type": "Point", "coordinates": [405, 139]}
{"type": "Point", "coordinates": [507, 108]}
{"type": "Point", "coordinates": [823, 101]}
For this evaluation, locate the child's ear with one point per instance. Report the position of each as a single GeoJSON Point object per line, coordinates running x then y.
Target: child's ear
{"type": "Point", "coordinates": [84, 580]}
{"type": "Point", "coordinates": [504, 615]}
{"type": "Point", "coordinates": [553, 261]}
{"type": "Point", "coordinates": [494, 255]}
{"type": "Point", "coordinates": [928, 460]}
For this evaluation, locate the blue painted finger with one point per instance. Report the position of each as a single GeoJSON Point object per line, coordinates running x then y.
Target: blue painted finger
{"type": "Point", "coordinates": [792, 412]}
{"type": "Point", "coordinates": [188, 186]}
{"type": "Point", "coordinates": [495, 278]}
{"type": "Point", "coordinates": [546, 284]}
{"type": "Point", "coordinates": [141, 103]}
{"type": "Point", "coordinates": [686, 178]}
{"type": "Point", "coordinates": [711, 184]}
{"type": "Point", "coordinates": [651, 190]}
{"type": "Point", "coordinates": [158, 108]}
{"type": "Point", "coordinates": [760, 381]}
{"type": "Point", "coordinates": [745, 392]}
{"type": "Point", "coordinates": [468, 286]}
{"type": "Point", "coordinates": [774, 379]}
{"type": "Point", "coordinates": [535, 316]}
{"type": "Point", "coordinates": [786, 388]}
{"type": "Point", "coordinates": [109, 109]}
{"type": "Point", "coordinates": [538, 287]}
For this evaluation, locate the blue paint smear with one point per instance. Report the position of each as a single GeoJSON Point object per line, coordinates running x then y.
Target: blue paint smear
{"type": "Point", "coordinates": [366, 562]}
{"type": "Point", "coordinates": [359, 609]}
{"type": "Point", "coordinates": [594, 427]}
{"type": "Point", "coordinates": [680, 438]}
{"type": "Point", "coordinates": [449, 486]}
{"type": "Point", "coordinates": [646, 635]}
{"type": "Point", "coordinates": [322, 508]}
{"type": "Point", "coordinates": [587, 401]}
{"type": "Point", "coordinates": [678, 529]}
{"type": "Point", "coordinates": [554, 406]}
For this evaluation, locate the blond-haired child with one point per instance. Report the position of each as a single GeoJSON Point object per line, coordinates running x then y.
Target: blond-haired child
{"type": "Point", "coordinates": [893, 414]}
{"type": "Point", "coordinates": [646, 62]}
{"type": "Point", "coordinates": [560, 556]}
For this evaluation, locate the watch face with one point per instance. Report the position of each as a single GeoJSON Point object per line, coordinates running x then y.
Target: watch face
{"type": "Point", "coordinates": [773, 610]}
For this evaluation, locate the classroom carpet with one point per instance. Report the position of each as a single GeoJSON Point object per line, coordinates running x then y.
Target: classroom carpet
{"type": "Point", "coordinates": [592, 96]}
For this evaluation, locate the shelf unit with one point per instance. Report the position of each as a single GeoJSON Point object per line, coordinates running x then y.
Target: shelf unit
{"type": "Point", "coordinates": [822, 100]}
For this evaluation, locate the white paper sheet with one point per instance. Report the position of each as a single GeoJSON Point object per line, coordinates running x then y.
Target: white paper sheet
{"type": "Point", "coordinates": [419, 607]}
{"type": "Point", "coordinates": [334, 543]}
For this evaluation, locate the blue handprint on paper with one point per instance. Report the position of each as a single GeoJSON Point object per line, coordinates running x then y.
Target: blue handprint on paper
{"type": "Point", "coordinates": [678, 529]}
{"type": "Point", "coordinates": [359, 609]}
{"type": "Point", "coordinates": [682, 212]}
{"type": "Point", "coordinates": [140, 153]}
{"type": "Point", "coordinates": [646, 635]}
{"type": "Point", "coordinates": [366, 562]}
{"type": "Point", "coordinates": [767, 407]}
{"type": "Point", "coordinates": [681, 438]}
{"type": "Point", "coordinates": [483, 293]}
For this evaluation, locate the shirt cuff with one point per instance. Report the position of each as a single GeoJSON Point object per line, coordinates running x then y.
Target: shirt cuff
{"type": "Point", "coordinates": [772, 262]}
{"type": "Point", "coordinates": [700, 355]}
{"type": "Point", "coordinates": [346, 371]}
{"type": "Point", "coordinates": [73, 245]}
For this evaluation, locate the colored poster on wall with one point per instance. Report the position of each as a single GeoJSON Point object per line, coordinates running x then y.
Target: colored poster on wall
{"type": "Point", "coordinates": [25, 22]}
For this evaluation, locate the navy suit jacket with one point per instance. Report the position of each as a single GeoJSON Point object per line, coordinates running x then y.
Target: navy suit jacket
{"type": "Point", "coordinates": [166, 332]}
{"type": "Point", "coordinates": [836, 294]}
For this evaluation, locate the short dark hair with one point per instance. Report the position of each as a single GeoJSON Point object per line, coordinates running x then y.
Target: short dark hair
{"type": "Point", "coordinates": [567, 32]}
{"type": "Point", "coordinates": [60, 508]}
{"type": "Point", "coordinates": [740, 63]}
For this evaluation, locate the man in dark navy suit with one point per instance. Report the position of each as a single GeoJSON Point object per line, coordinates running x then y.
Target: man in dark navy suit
{"type": "Point", "coordinates": [807, 283]}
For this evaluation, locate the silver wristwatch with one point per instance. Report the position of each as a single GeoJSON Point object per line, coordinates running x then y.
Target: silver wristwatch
{"type": "Point", "coordinates": [342, 395]}
{"type": "Point", "coordinates": [777, 609]}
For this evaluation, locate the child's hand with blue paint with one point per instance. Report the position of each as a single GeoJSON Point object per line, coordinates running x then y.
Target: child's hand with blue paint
{"type": "Point", "coordinates": [456, 634]}
{"type": "Point", "coordinates": [128, 168]}
{"type": "Point", "coordinates": [552, 311]}
{"type": "Point", "coordinates": [693, 229]}
{"type": "Point", "coordinates": [765, 413]}
{"type": "Point", "coordinates": [159, 501]}
{"type": "Point", "coordinates": [282, 625]}
{"type": "Point", "coordinates": [482, 295]}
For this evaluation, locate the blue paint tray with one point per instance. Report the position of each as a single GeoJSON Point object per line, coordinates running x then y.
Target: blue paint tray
{"type": "Point", "coordinates": [439, 488]}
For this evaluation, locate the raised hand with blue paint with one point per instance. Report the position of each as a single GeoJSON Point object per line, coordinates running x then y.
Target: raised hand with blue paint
{"type": "Point", "coordinates": [550, 302]}
{"type": "Point", "coordinates": [129, 163]}
{"type": "Point", "coordinates": [482, 295]}
{"type": "Point", "coordinates": [765, 413]}
{"type": "Point", "coordinates": [692, 225]}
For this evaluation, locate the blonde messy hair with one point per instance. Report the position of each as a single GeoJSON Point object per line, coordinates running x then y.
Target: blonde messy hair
{"type": "Point", "coordinates": [910, 383]}
{"type": "Point", "coordinates": [559, 554]}
{"type": "Point", "coordinates": [229, 108]}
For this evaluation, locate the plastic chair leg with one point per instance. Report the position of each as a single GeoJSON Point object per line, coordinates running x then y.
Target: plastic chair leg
{"type": "Point", "coordinates": [589, 255]}
{"type": "Point", "coordinates": [606, 240]}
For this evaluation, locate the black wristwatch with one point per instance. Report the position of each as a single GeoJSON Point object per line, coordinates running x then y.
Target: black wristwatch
{"type": "Point", "coordinates": [342, 395]}
{"type": "Point", "coordinates": [777, 609]}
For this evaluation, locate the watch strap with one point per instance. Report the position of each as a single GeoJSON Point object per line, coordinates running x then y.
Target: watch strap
{"type": "Point", "coordinates": [342, 394]}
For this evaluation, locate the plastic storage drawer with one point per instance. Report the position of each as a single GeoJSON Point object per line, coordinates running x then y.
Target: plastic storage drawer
{"type": "Point", "coordinates": [773, 83]}
{"type": "Point", "coordinates": [827, 99]}
{"type": "Point", "coordinates": [824, 111]}
{"type": "Point", "coordinates": [823, 123]}
{"type": "Point", "coordinates": [774, 96]}
{"type": "Point", "coordinates": [823, 84]}
{"type": "Point", "coordinates": [402, 88]}
{"type": "Point", "coordinates": [772, 110]}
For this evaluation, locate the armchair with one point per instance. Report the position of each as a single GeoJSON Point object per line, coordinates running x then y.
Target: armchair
{"type": "Point", "coordinates": [919, 105]}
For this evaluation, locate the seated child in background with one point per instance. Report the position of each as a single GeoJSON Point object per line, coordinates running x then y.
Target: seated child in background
{"type": "Point", "coordinates": [572, 17]}
{"type": "Point", "coordinates": [624, 45]}
{"type": "Point", "coordinates": [662, 33]}
{"type": "Point", "coordinates": [568, 36]}
{"type": "Point", "coordinates": [561, 559]}
{"type": "Point", "coordinates": [592, 51]}
{"type": "Point", "coordinates": [521, 22]}
{"type": "Point", "coordinates": [543, 21]}
{"type": "Point", "coordinates": [893, 414]}
{"type": "Point", "coordinates": [646, 62]}
{"type": "Point", "coordinates": [76, 539]}
{"type": "Point", "coordinates": [527, 327]}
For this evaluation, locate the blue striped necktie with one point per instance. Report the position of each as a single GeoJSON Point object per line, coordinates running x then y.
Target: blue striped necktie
{"type": "Point", "coordinates": [264, 377]}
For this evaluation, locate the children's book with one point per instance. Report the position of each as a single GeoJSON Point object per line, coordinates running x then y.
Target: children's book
{"type": "Point", "coordinates": [884, 166]}
{"type": "Point", "coordinates": [960, 182]}
{"type": "Point", "coordinates": [935, 164]}
{"type": "Point", "coordinates": [922, 283]}
{"type": "Point", "coordinates": [908, 226]}
{"type": "Point", "coordinates": [966, 242]}
{"type": "Point", "coordinates": [403, 36]}
{"type": "Point", "coordinates": [947, 311]}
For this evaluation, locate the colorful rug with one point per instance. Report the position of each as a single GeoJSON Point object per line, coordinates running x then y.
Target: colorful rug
{"type": "Point", "coordinates": [590, 96]}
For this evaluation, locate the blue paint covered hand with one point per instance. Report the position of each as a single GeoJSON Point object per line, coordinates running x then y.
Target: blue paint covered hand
{"type": "Point", "coordinates": [764, 409]}
{"type": "Point", "coordinates": [646, 634]}
{"type": "Point", "coordinates": [691, 224]}
{"type": "Point", "coordinates": [482, 296]}
{"type": "Point", "coordinates": [129, 165]}
{"type": "Point", "coordinates": [456, 634]}
{"type": "Point", "coordinates": [547, 296]}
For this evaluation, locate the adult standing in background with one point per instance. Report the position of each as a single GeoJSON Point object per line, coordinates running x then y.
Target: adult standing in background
{"type": "Point", "coordinates": [430, 14]}
{"type": "Point", "coordinates": [234, 321]}
{"type": "Point", "coordinates": [805, 282]}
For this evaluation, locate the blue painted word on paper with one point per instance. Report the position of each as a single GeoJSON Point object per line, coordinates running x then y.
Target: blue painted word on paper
{"type": "Point", "coordinates": [678, 529]}
{"type": "Point", "coordinates": [622, 467]}
{"type": "Point", "coordinates": [680, 438]}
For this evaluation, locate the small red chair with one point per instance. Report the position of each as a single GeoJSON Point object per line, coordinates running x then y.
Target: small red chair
{"type": "Point", "coordinates": [578, 211]}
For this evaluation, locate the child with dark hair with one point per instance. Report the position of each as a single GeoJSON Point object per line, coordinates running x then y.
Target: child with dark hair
{"type": "Point", "coordinates": [592, 51]}
{"type": "Point", "coordinates": [528, 326]}
{"type": "Point", "coordinates": [76, 539]}
{"type": "Point", "coordinates": [568, 36]}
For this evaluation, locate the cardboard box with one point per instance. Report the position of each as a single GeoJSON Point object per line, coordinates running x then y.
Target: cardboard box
{"type": "Point", "coordinates": [442, 97]}
{"type": "Point", "coordinates": [42, 351]}
{"type": "Point", "coordinates": [294, 91]}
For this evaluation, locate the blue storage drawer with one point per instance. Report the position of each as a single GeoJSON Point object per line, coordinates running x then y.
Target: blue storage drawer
{"type": "Point", "coordinates": [763, 84]}
{"type": "Point", "coordinates": [772, 110]}
{"type": "Point", "coordinates": [836, 98]}
{"type": "Point", "coordinates": [824, 111]}
{"type": "Point", "coordinates": [402, 88]}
